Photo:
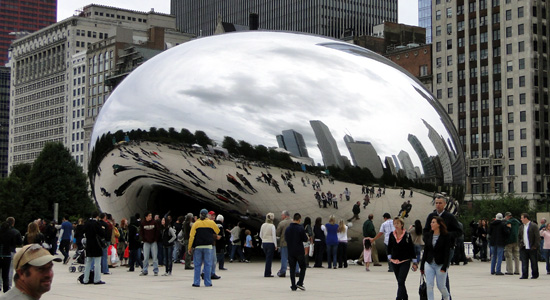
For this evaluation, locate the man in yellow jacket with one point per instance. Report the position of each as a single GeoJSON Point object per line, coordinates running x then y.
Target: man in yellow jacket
{"type": "Point", "coordinates": [201, 239]}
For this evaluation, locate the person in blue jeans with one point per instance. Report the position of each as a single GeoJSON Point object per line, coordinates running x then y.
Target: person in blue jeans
{"type": "Point", "coordinates": [268, 235]}
{"type": "Point", "coordinates": [236, 243]}
{"type": "Point", "coordinates": [201, 239]}
{"type": "Point", "coordinates": [498, 231]}
{"type": "Point", "coordinates": [331, 233]}
{"type": "Point", "coordinates": [281, 228]}
{"type": "Point", "coordinates": [436, 257]}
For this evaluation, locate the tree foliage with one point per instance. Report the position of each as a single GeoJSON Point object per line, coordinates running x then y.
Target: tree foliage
{"type": "Point", "coordinates": [30, 192]}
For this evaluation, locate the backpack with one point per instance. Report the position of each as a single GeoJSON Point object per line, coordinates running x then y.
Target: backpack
{"type": "Point", "coordinates": [90, 279]}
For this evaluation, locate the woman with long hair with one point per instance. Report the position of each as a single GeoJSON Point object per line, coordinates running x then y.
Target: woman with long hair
{"type": "Point", "coordinates": [79, 234]}
{"type": "Point", "coordinates": [318, 242]}
{"type": "Point", "coordinates": [435, 261]}
{"type": "Point", "coordinates": [416, 235]}
{"type": "Point", "coordinates": [309, 233]}
{"type": "Point", "coordinates": [331, 233]}
{"type": "Point", "coordinates": [168, 234]}
{"type": "Point", "coordinates": [482, 230]}
{"type": "Point", "coordinates": [400, 254]}
{"type": "Point", "coordinates": [122, 241]}
{"type": "Point", "coordinates": [33, 235]}
{"type": "Point", "coordinates": [342, 234]}
{"type": "Point", "coordinates": [268, 234]}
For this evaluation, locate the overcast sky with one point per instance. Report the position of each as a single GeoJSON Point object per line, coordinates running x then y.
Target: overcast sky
{"type": "Point", "coordinates": [408, 9]}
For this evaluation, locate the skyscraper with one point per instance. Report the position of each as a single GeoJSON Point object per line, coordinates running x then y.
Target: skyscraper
{"type": "Point", "coordinates": [491, 61]}
{"type": "Point", "coordinates": [364, 155]}
{"type": "Point", "coordinates": [4, 118]}
{"type": "Point", "coordinates": [324, 17]}
{"type": "Point", "coordinates": [56, 86]}
{"type": "Point", "coordinates": [293, 142]}
{"type": "Point", "coordinates": [327, 145]}
{"type": "Point", "coordinates": [407, 164]}
{"type": "Point", "coordinates": [427, 164]}
{"type": "Point", "coordinates": [425, 17]}
{"type": "Point", "coordinates": [20, 16]}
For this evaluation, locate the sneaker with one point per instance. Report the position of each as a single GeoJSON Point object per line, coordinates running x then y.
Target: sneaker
{"type": "Point", "coordinates": [189, 268]}
{"type": "Point", "coordinates": [142, 274]}
{"type": "Point", "coordinates": [195, 285]}
{"type": "Point", "coordinates": [165, 274]}
{"type": "Point", "coordinates": [301, 287]}
{"type": "Point", "coordinates": [293, 288]}
{"type": "Point", "coordinates": [156, 273]}
{"type": "Point", "coordinates": [214, 276]}
{"type": "Point", "coordinates": [246, 261]}
{"type": "Point", "coordinates": [230, 260]}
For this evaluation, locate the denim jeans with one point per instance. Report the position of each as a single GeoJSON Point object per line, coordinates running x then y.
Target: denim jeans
{"type": "Point", "coordinates": [238, 249]}
{"type": "Point", "coordinates": [168, 258]}
{"type": "Point", "coordinates": [284, 260]}
{"type": "Point", "coordinates": [417, 251]}
{"type": "Point", "coordinates": [176, 251]}
{"type": "Point", "coordinates": [390, 265]}
{"type": "Point", "coordinates": [214, 260]}
{"type": "Point", "coordinates": [202, 256]}
{"type": "Point", "coordinates": [332, 252]}
{"type": "Point", "coordinates": [97, 268]}
{"type": "Point", "coordinates": [160, 254]}
{"type": "Point", "coordinates": [269, 250]}
{"type": "Point", "coordinates": [104, 262]}
{"type": "Point", "coordinates": [546, 255]}
{"type": "Point", "coordinates": [433, 271]}
{"type": "Point", "coordinates": [401, 272]}
{"type": "Point", "coordinates": [150, 248]}
{"type": "Point", "coordinates": [496, 258]}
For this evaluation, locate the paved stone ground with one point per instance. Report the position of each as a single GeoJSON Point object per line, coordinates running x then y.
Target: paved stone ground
{"type": "Point", "coordinates": [246, 281]}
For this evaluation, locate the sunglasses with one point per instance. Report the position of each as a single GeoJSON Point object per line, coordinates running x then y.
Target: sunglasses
{"type": "Point", "coordinates": [32, 248]}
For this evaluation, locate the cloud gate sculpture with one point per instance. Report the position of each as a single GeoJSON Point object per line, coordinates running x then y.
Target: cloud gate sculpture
{"type": "Point", "coordinates": [227, 122]}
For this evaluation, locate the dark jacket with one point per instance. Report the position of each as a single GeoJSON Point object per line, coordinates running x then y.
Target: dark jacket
{"type": "Point", "coordinates": [149, 231]}
{"type": "Point", "coordinates": [403, 250]}
{"type": "Point", "coordinates": [533, 235]}
{"type": "Point", "coordinates": [440, 253]}
{"type": "Point", "coordinates": [295, 237]}
{"type": "Point", "coordinates": [450, 221]}
{"type": "Point", "coordinates": [368, 229]}
{"type": "Point", "coordinates": [498, 233]}
{"type": "Point", "coordinates": [92, 229]}
{"type": "Point", "coordinates": [514, 230]}
{"type": "Point", "coordinates": [356, 209]}
{"type": "Point", "coordinates": [133, 235]}
{"type": "Point", "coordinates": [202, 233]}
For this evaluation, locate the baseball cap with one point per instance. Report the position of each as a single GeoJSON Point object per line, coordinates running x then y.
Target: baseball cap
{"type": "Point", "coordinates": [211, 212]}
{"type": "Point", "coordinates": [204, 211]}
{"type": "Point", "coordinates": [507, 214]}
{"type": "Point", "coordinates": [34, 255]}
{"type": "Point", "coordinates": [498, 216]}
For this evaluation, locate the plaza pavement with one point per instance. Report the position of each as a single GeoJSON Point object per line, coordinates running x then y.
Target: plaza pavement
{"type": "Point", "coordinates": [246, 281]}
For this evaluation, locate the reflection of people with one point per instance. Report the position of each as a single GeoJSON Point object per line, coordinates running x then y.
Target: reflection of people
{"type": "Point", "coordinates": [33, 273]}
{"type": "Point", "coordinates": [356, 210]}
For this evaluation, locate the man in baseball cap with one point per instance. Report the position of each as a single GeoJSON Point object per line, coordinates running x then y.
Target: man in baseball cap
{"type": "Point", "coordinates": [33, 272]}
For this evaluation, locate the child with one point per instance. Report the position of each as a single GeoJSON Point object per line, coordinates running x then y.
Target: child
{"type": "Point", "coordinates": [367, 253]}
{"type": "Point", "coordinates": [248, 246]}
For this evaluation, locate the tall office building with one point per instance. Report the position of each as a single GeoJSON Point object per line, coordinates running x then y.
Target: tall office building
{"type": "Point", "coordinates": [425, 160]}
{"type": "Point", "coordinates": [293, 142]}
{"type": "Point", "coordinates": [407, 164]}
{"type": "Point", "coordinates": [364, 155]}
{"type": "Point", "coordinates": [55, 85]}
{"type": "Point", "coordinates": [327, 145]}
{"type": "Point", "coordinates": [425, 17]}
{"type": "Point", "coordinates": [4, 118]}
{"type": "Point", "coordinates": [491, 64]}
{"type": "Point", "coordinates": [324, 17]}
{"type": "Point", "coordinates": [18, 16]}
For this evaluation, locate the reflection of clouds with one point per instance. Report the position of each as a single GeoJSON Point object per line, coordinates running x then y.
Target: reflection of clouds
{"type": "Point", "coordinates": [251, 86]}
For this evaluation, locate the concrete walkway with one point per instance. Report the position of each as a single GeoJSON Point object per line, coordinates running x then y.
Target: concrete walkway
{"type": "Point", "coordinates": [246, 281]}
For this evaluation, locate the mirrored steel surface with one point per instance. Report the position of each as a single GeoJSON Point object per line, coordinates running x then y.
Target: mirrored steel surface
{"type": "Point", "coordinates": [349, 106]}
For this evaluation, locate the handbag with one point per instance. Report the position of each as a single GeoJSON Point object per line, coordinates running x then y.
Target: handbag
{"type": "Point", "coordinates": [311, 250]}
{"type": "Point", "coordinates": [423, 290]}
{"type": "Point", "coordinates": [101, 241]}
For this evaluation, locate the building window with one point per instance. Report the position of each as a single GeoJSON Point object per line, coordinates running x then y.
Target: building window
{"type": "Point", "coordinates": [523, 133]}
{"type": "Point", "coordinates": [524, 186]}
{"type": "Point", "coordinates": [498, 119]}
{"type": "Point", "coordinates": [449, 44]}
{"type": "Point", "coordinates": [438, 47]}
{"type": "Point", "coordinates": [522, 116]}
{"type": "Point", "coordinates": [522, 98]}
{"type": "Point", "coordinates": [498, 136]}
{"type": "Point", "coordinates": [449, 92]}
{"type": "Point", "coordinates": [511, 117]}
{"type": "Point", "coordinates": [520, 12]}
{"type": "Point", "coordinates": [511, 153]}
{"type": "Point", "coordinates": [475, 139]}
{"type": "Point", "coordinates": [521, 29]}
{"type": "Point", "coordinates": [522, 81]}
{"type": "Point", "coordinates": [437, 30]}
{"type": "Point", "coordinates": [439, 94]}
{"type": "Point", "coordinates": [521, 46]}
{"type": "Point", "coordinates": [511, 170]}
{"type": "Point", "coordinates": [523, 169]}
{"type": "Point", "coordinates": [460, 26]}
{"type": "Point", "coordinates": [473, 122]}
{"type": "Point", "coordinates": [510, 100]}
{"type": "Point", "coordinates": [450, 76]}
{"type": "Point", "coordinates": [510, 135]}
{"type": "Point", "coordinates": [496, 34]}
{"type": "Point", "coordinates": [508, 48]}
{"type": "Point", "coordinates": [509, 83]}
{"type": "Point", "coordinates": [449, 60]}
{"type": "Point", "coordinates": [438, 15]}
{"type": "Point", "coordinates": [508, 15]}
{"type": "Point", "coordinates": [449, 12]}
{"type": "Point", "coordinates": [424, 70]}
{"type": "Point", "coordinates": [523, 153]}
{"type": "Point", "coordinates": [450, 108]}
{"type": "Point", "coordinates": [508, 31]}
{"type": "Point", "coordinates": [438, 78]}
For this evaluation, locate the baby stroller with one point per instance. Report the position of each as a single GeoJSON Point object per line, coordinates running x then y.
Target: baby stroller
{"type": "Point", "coordinates": [79, 259]}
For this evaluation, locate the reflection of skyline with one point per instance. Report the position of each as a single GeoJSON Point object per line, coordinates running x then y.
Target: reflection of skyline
{"type": "Point", "coordinates": [364, 155]}
{"type": "Point", "coordinates": [407, 164]}
{"type": "Point", "coordinates": [327, 145]}
{"type": "Point", "coordinates": [293, 142]}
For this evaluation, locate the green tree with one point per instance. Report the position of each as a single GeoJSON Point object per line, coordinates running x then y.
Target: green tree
{"type": "Point", "coordinates": [56, 178]}
{"type": "Point", "coordinates": [231, 145]}
{"type": "Point", "coordinates": [187, 137]}
{"type": "Point", "coordinates": [202, 138]}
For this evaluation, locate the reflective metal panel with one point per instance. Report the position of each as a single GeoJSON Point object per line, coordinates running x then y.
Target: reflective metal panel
{"type": "Point", "coordinates": [175, 133]}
